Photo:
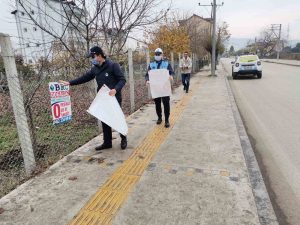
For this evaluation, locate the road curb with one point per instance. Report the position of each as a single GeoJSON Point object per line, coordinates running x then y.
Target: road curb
{"type": "Point", "coordinates": [263, 203]}
{"type": "Point", "coordinates": [287, 64]}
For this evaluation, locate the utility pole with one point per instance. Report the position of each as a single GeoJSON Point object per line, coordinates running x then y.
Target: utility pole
{"type": "Point", "coordinates": [279, 42]}
{"type": "Point", "coordinates": [288, 35]}
{"type": "Point", "coordinates": [274, 28]}
{"type": "Point", "coordinates": [214, 38]}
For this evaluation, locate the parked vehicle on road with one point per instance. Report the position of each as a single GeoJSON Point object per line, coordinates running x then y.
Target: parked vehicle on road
{"type": "Point", "coordinates": [246, 65]}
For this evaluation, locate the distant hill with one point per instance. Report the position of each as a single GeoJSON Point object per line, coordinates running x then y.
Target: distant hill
{"type": "Point", "coordinates": [239, 43]}
{"type": "Point", "coordinates": [293, 42]}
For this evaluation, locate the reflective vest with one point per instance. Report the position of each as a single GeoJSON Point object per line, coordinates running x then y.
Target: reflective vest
{"type": "Point", "coordinates": [164, 65]}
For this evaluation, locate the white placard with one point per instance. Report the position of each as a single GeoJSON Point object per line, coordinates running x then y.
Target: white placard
{"type": "Point", "coordinates": [107, 109]}
{"type": "Point", "coordinates": [160, 85]}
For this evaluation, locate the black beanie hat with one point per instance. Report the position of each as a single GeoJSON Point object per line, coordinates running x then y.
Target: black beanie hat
{"type": "Point", "coordinates": [96, 50]}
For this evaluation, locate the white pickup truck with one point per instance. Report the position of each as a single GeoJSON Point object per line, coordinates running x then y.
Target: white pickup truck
{"type": "Point", "coordinates": [246, 65]}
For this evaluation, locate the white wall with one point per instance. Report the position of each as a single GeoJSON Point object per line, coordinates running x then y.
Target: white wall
{"type": "Point", "coordinates": [34, 42]}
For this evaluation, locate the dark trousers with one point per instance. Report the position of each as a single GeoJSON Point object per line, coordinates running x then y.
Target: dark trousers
{"type": "Point", "coordinates": [107, 132]}
{"type": "Point", "coordinates": [166, 103]}
{"type": "Point", "coordinates": [186, 80]}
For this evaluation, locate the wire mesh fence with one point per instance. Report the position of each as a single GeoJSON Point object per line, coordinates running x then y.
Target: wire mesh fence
{"type": "Point", "coordinates": [51, 143]}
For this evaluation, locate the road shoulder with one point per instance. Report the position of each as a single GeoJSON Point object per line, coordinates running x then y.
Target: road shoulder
{"type": "Point", "coordinates": [262, 200]}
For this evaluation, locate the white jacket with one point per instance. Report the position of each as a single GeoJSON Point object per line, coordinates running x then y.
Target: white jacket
{"type": "Point", "coordinates": [185, 65]}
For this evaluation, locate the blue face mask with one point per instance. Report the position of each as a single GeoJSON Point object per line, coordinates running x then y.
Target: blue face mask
{"type": "Point", "coordinates": [95, 62]}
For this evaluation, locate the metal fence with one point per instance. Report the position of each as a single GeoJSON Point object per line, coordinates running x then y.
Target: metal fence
{"type": "Point", "coordinates": [25, 116]}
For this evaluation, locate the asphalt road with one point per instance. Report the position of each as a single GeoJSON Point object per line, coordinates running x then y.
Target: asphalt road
{"type": "Point", "coordinates": [270, 108]}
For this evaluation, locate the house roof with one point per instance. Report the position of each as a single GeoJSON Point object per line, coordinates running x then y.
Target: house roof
{"type": "Point", "coordinates": [210, 20]}
{"type": "Point", "coordinates": [71, 2]}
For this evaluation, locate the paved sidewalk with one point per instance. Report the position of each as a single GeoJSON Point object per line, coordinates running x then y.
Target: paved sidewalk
{"type": "Point", "coordinates": [57, 195]}
{"type": "Point", "coordinates": [198, 174]}
{"type": "Point", "coordinates": [283, 61]}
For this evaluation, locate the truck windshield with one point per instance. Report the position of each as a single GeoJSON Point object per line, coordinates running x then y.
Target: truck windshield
{"type": "Point", "coordinates": [248, 58]}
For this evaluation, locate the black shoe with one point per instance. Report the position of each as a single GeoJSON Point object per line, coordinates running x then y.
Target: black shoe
{"type": "Point", "coordinates": [103, 146]}
{"type": "Point", "coordinates": [124, 143]}
{"type": "Point", "coordinates": [167, 124]}
{"type": "Point", "coordinates": [184, 88]}
{"type": "Point", "coordinates": [187, 91]}
{"type": "Point", "coordinates": [159, 121]}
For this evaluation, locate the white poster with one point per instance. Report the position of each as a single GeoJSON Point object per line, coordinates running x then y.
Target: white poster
{"type": "Point", "coordinates": [160, 85]}
{"type": "Point", "coordinates": [60, 102]}
{"type": "Point", "coordinates": [107, 109]}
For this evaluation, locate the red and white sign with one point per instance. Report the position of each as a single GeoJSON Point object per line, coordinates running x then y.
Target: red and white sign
{"type": "Point", "coordinates": [60, 102]}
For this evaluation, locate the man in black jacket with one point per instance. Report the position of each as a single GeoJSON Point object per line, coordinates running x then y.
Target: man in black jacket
{"type": "Point", "coordinates": [109, 73]}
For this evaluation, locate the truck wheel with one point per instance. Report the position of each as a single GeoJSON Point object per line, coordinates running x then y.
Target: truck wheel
{"type": "Point", "coordinates": [259, 75]}
{"type": "Point", "coordinates": [234, 76]}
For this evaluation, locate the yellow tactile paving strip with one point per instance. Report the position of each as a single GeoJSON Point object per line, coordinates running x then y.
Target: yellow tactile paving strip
{"type": "Point", "coordinates": [103, 206]}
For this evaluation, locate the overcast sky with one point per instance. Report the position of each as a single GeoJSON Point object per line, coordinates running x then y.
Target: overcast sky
{"type": "Point", "coordinates": [246, 18]}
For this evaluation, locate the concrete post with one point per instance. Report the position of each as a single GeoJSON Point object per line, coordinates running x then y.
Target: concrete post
{"type": "Point", "coordinates": [99, 123]}
{"type": "Point", "coordinates": [21, 77]}
{"type": "Point", "coordinates": [148, 63]}
{"type": "Point", "coordinates": [172, 59]}
{"type": "Point", "coordinates": [179, 70]}
{"type": "Point", "coordinates": [172, 64]}
{"type": "Point", "coordinates": [17, 103]}
{"type": "Point", "coordinates": [193, 63]}
{"type": "Point", "coordinates": [131, 80]}
{"type": "Point", "coordinates": [1, 78]}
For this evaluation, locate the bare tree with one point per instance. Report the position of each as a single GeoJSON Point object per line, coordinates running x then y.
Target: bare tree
{"type": "Point", "coordinates": [73, 25]}
{"type": "Point", "coordinates": [223, 35]}
{"type": "Point", "coordinates": [266, 43]}
{"type": "Point", "coordinates": [121, 17]}
{"type": "Point", "coordinates": [85, 22]}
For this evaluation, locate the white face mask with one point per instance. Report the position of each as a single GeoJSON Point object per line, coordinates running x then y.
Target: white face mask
{"type": "Point", "coordinates": [157, 57]}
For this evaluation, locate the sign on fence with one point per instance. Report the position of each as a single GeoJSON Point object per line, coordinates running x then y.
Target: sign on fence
{"type": "Point", "coordinates": [107, 109]}
{"type": "Point", "coordinates": [60, 102]}
{"type": "Point", "coordinates": [160, 85]}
